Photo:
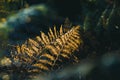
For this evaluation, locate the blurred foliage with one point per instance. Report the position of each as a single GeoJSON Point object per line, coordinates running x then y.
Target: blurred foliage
{"type": "Point", "coordinates": [100, 30]}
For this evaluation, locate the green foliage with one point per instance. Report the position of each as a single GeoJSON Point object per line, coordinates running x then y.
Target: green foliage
{"type": "Point", "coordinates": [100, 31]}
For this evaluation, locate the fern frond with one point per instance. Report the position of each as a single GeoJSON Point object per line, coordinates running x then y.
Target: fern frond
{"type": "Point", "coordinates": [43, 53]}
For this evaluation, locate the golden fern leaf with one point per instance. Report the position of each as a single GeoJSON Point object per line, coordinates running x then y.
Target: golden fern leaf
{"type": "Point", "coordinates": [43, 53]}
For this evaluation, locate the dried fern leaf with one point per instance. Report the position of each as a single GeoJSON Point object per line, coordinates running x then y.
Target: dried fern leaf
{"type": "Point", "coordinates": [61, 31]}
{"type": "Point", "coordinates": [43, 53]}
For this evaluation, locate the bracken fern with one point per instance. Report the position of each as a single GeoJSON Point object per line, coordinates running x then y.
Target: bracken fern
{"type": "Point", "coordinates": [42, 53]}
